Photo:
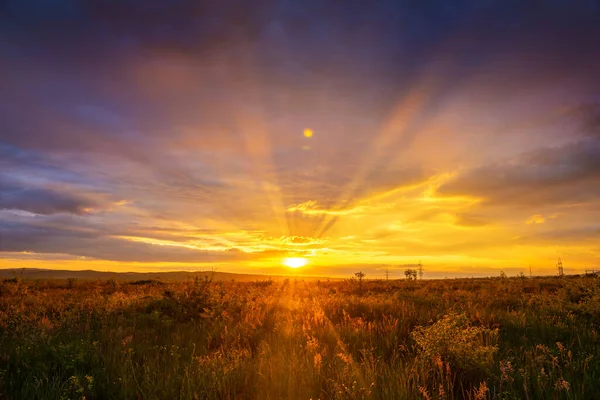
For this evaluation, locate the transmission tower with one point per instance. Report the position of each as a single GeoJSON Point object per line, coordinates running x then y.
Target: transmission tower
{"type": "Point", "coordinates": [387, 274]}
{"type": "Point", "coordinates": [559, 265]}
{"type": "Point", "coordinates": [420, 270]}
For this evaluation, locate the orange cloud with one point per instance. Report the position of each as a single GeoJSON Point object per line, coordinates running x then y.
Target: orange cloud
{"type": "Point", "coordinates": [536, 219]}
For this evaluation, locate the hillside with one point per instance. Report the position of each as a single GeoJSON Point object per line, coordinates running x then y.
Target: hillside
{"type": "Point", "coordinates": [35, 273]}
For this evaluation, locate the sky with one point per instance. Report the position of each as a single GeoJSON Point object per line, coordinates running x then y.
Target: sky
{"type": "Point", "coordinates": [230, 135]}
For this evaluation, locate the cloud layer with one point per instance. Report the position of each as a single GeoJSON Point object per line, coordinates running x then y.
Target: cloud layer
{"type": "Point", "coordinates": [140, 133]}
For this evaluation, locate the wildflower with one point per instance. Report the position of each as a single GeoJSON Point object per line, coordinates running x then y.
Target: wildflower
{"type": "Point", "coordinates": [507, 370]}
{"type": "Point", "coordinates": [437, 360]}
{"type": "Point", "coordinates": [543, 349]}
{"type": "Point", "coordinates": [424, 393]}
{"type": "Point", "coordinates": [441, 393]}
{"type": "Point", "coordinates": [126, 340]}
{"type": "Point", "coordinates": [561, 384]}
{"type": "Point", "coordinates": [481, 392]}
{"type": "Point", "coordinates": [46, 324]}
{"type": "Point", "coordinates": [347, 358]}
{"type": "Point", "coordinates": [317, 361]}
{"type": "Point", "coordinates": [312, 344]}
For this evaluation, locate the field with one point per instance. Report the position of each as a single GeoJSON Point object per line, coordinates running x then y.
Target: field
{"type": "Point", "coordinates": [497, 338]}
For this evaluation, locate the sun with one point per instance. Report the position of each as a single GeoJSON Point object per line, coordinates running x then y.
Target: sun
{"type": "Point", "coordinates": [295, 262]}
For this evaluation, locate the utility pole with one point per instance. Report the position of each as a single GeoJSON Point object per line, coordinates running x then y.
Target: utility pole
{"type": "Point", "coordinates": [559, 265]}
{"type": "Point", "coordinates": [420, 270]}
{"type": "Point", "coordinates": [387, 274]}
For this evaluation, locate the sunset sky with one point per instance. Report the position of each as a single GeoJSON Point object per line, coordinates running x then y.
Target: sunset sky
{"type": "Point", "coordinates": [141, 136]}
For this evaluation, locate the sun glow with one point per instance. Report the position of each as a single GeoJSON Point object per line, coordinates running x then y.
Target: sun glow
{"type": "Point", "coordinates": [295, 262]}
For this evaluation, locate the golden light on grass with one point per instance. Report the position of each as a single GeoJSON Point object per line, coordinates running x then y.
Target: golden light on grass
{"type": "Point", "coordinates": [295, 262]}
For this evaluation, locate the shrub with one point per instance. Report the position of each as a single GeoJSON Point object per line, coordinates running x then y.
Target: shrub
{"type": "Point", "coordinates": [457, 342]}
{"type": "Point", "coordinates": [143, 282]}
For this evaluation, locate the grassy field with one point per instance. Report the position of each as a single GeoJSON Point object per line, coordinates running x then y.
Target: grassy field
{"type": "Point", "coordinates": [500, 338]}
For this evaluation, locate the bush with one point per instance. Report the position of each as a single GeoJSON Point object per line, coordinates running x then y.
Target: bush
{"type": "Point", "coordinates": [71, 282]}
{"type": "Point", "coordinates": [453, 339]}
{"type": "Point", "coordinates": [143, 282]}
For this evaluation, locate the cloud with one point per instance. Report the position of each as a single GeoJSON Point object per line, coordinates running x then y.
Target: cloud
{"type": "Point", "coordinates": [553, 175]}
{"type": "Point", "coordinates": [587, 115]}
{"type": "Point", "coordinates": [194, 112]}
{"type": "Point", "coordinates": [540, 219]}
{"type": "Point", "coordinates": [471, 220]}
{"type": "Point", "coordinates": [582, 236]}
{"type": "Point", "coordinates": [298, 241]}
{"type": "Point", "coordinates": [536, 219]}
{"type": "Point", "coordinates": [24, 236]}
{"type": "Point", "coordinates": [42, 200]}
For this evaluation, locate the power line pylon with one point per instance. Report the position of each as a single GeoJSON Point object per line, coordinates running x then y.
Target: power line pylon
{"type": "Point", "coordinates": [420, 270]}
{"type": "Point", "coordinates": [559, 265]}
{"type": "Point", "coordinates": [387, 274]}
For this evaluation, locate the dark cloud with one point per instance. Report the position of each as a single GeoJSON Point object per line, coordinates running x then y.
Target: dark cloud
{"type": "Point", "coordinates": [40, 200]}
{"type": "Point", "coordinates": [104, 28]}
{"type": "Point", "coordinates": [589, 116]}
{"type": "Point", "coordinates": [568, 173]}
{"type": "Point", "coordinates": [579, 236]}
{"type": "Point", "coordinates": [24, 236]}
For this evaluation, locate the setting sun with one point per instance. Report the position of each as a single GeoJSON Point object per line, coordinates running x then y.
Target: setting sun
{"type": "Point", "coordinates": [295, 262]}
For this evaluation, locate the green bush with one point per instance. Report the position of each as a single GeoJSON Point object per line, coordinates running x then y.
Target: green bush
{"type": "Point", "coordinates": [456, 341]}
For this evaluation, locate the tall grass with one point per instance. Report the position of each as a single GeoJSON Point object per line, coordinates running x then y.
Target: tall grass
{"type": "Point", "coordinates": [452, 339]}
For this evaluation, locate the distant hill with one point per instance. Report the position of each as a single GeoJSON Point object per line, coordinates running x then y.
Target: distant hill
{"type": "Point", "coordinates": [35, 273]}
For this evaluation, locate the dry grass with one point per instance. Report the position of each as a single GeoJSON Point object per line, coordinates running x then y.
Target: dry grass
{"type": "Point", "coordinates": [453, 339]}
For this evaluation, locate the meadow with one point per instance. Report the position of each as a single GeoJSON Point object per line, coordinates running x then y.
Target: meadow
{"type": "Point", "coordinates": [496, 338]}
